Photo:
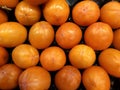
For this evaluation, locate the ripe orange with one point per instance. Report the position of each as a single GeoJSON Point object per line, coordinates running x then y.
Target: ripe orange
{"type": "Point", "coordinates": [110, 13]}
{"type": "Point", "coordinates": [85, 13]}
{"type": "Point", "coordinates": [96, 78]}
{"type": "Point", "coordinates": [25, 56]}
{"type": "Point", "coordinates": [41, 35]}
{"type": "Point", "coordinates": [99, 36]}
{"type": "Point", "coordinates": [116, 39]}
{"type": "Point", "coordinates": [4, 56]}
{"type": "Point", "coordinates": [68, 78]}
{"type": "Point", "coordinates": [109, 59]}
{"type": "Point", "coordinates": [12, 34]}
{"type": "Point", "coordinates": [3, 16]}
{"type": "Point", "coordinates": [68, 35]}
{"type": "Point", "coordinates": [34, 78]}
{"type": "Point", "coordinates": [27, 14]}
{"type": "Point", "coordinates": [56, 12]}
{"type": "Point", "coordinates": [9, 3]}
{"type": "Point", "coordinates": [52, 58]}
{"type": "Point", "coordinates": [9, 74]}
{"type": "Point", "coordinates": [82, 56]}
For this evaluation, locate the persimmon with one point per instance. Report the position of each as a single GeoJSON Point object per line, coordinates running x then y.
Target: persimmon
{"type": "Point", "coordinates": [3, 16]}
{"type": "Point", "coordinates": [68, 35]}
{"type": "Point", "coordinates": [34, 78]}
{"type": "Point", "coordinates": [68, 78]}
{"type": "Point", "coordinates": [96, 78]}
{"type": "Point", "coordinates": [82, 56]}
{"type": "Point", "coordinates": [41, 35]}
{"type": "Point", "coordinates": [52, 58]}
{"type": "Point", "coordinates": [110, 13]}
{"type": "Point", "coordinates": [12, 34]}
{"type": "Point", "coordinates": [25, 56]}
{"type": "Point", "coordinates": [109, 59]}
{"type": "Point", "coordinates": [56, 12]}
{"type": "Point", "coordinates": [85, 13]}
{"type": "Point", "coordinates": [99, 36]}
{"type": "Point", "coordinates": [27, 14]}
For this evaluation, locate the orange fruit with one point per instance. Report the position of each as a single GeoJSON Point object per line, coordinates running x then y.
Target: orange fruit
{"type": "Point", "coordinates": [82, 56]}
{"type": "Point", "coordinates": [96, 78]}
{"type": "Point", "coordinates": [68, 78]}
{"type": "Point", "coordinates": [52, 58]}
{"type": "Point", "coordinates": [25, 56]}
{"type": "Point", "coordinates": [109, 59]}
{"type": "Point", "coordinates": [4, 56]}
{"type": "Point", "coordinates": [99, 36]}
{"type": "Point", "coordinates": [3, 16]}
{"type": "Point", "coordinates": [110, 13]}
{"type": "Point", "coordinates": [9, 74]}
{"type": "Point", "coordinates": [36, 2]}
{"type": "Point", "coordinates": [34, 78]}
{"type": "Point", "coordinates": [27, 14]}
{"type": "Point", "coordinates": [85, 13]}
{"type": "Point", "coordinates": [12, 34]}
{"type": "Point", "coordinates": [116, 39]}
{"type": "Point", "coordinates": [9, 3]}
{"type": "Point", "coordinates": [41, 35]}
{"type": "Point", "coordinates": [68, 35]}
{"type": "Point", "coordinates": [56, 12]}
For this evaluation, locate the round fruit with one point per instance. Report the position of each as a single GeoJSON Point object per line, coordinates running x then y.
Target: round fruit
{"type": "Point", "coordinates": [68, 35]}
{"type": "Point", "coordinates": [52, 58]}
{"type": "Point", "coordinates": [116, 39]}
{"type": "Point", "coordinates": [34, 78]}
{"type": "Point", "coordinates": [25, 56]}
{"type": "Point", "coordinates": [96, 78]}
{"type": "Point", "coordinates": [99, 36]}
{"type": "Point", "coordinates": [12, 34]}
{"type": "Point", "coordinates": [110, 13]}
{"type": "Point", "coordinates": [68, 78]}
{"type": "Point", "coordinates": [109, 59]}
{"type": "Point", "coordinates": [56, 12]}
{"type": "Point", "coordinates": [3, 16]}
{"type": "Point", "coordinates": [4, 55]}
{"type": "Point", "coordinates": [85, 13]}
{"type": "Point", "coordinates": [41, 35]}
{"type": "Point", "coordinates": [27, 14]}
{"type": "Point", "coordinates": [82, 56]}
{"type": "Point", "coordinates": [9, 74]}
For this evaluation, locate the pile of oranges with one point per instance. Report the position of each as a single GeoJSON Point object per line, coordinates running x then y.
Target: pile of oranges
{"type": "Point", "coordinates": [50, 45]}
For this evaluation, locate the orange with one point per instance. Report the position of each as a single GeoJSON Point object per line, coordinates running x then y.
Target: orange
{"type": "Point", "coordinates": [9, 3]}
{"type": "Point", "coordinates": [68, 35]}
{"type": "Point", "coordinates": [110, 13]}
{"type": "Point", "coordinates": [9, 74]}
{"type": "Point", "coordinates": [116, 39]}
{"type": "Point", "coordinates": [85, 13]}
{"type": "Point", "coordinates": [25, 56]}
{"type": "Point", "coordinates": [52, 58]}
{"type": "Point", "coordinates": [99, 36]}
{"type": "Point", "coordinates": [4, 56]}
{"type": "Point", "coordinates": [12, 34]}
{"type": "Point", "coordinates": [68, 78]}
{"type": "Point", "coordinates": [82, 56]}
{"type": "Point", "coordinates": [109, 59]}
{"type": "Point", "coordinates": [96, 78]}
{"type": "Point", "coordinates": [34, 78]}
{"type": "Point", "coordinates": [41, 35]}
{"type": "Point", "coordinates": [27, 14]}
{"type": "Point", "coordinates": [56, 12]}
{"type": "Point", "coordinates": [3, 16]}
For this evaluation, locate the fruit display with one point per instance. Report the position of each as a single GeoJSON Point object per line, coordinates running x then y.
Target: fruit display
{"type": "Point", "coordinates": [59, 45]}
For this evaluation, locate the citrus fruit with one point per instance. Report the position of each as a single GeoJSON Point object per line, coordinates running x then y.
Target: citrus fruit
{"type": "Point", "coordinates": [68, 35]}
{"type": "Point", "coordinates": [41, 35]}
{"type": "Point", "coordinates": [3, 16]}
{"type": "Point", "coordinates": [52, 58]}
